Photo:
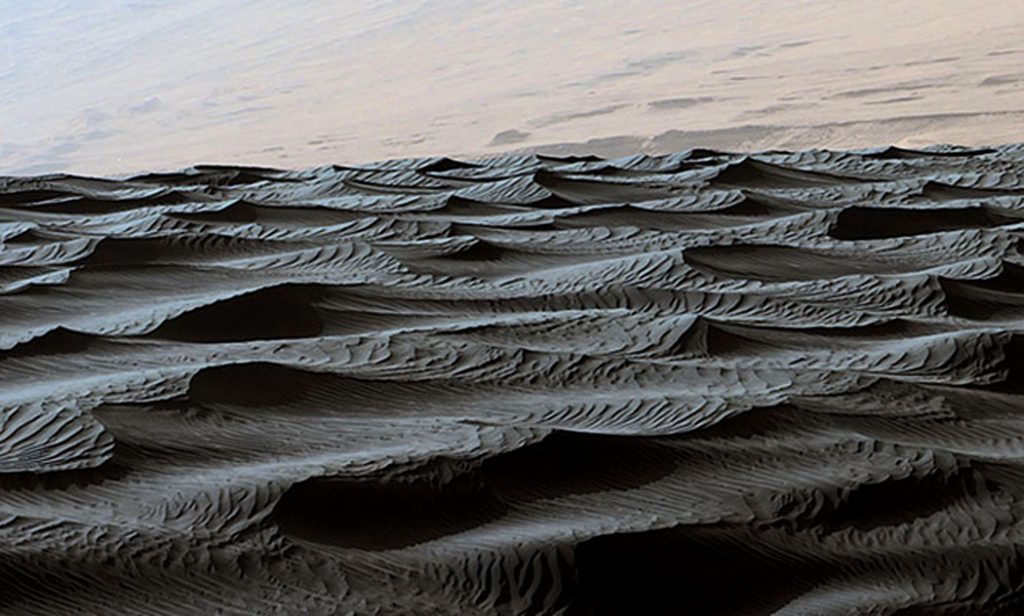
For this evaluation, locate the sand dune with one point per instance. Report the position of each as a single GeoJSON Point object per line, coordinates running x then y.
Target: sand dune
{"type": "Point", "coordinates": [701, 383]}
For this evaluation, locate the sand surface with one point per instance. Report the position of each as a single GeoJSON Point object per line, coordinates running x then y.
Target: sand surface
{"type": "Point", "coordinates": [786, 383]}
{"type": "Point", "coordinates": [145, 85]}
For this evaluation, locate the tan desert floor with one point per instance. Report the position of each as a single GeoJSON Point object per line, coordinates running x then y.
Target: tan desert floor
{"type": "Point", "coordinates": [145, 85]}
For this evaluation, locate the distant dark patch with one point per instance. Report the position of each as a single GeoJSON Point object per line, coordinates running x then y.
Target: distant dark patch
{"type": "Point", "coordinates": [413, 140]}
{"type": "Point", "coordinates": [245, 111]}
{"type": "Point", "coordinates": [657, 61]}
{"type": "Point", "coordinates": [746, 50]}
{"type": "Point", "coordinates": [745, 137]}
{"type": "Point", "coordinates": [508, 137]}
{"type": "Point", "coordinates": [607, 146]}
{"type": "Point", "coordinates": [898, 99]}
{"type": "Point", "coordinates": [781, 107]}
{"type": "Point", "coordinates": [149, 105]}
{"type": "Point", "coordinates": [679, 103]}
{"type": "Point", "coordinates": [1002, 80]}
{"type": "Point", "coordinates": [943, 60]}
{"type": "Point", "coordinates": [96, 135]}
{"type": "Point", "coordinates": [863, 92]}
{"type": "Point", "coordinates": [569, 116]}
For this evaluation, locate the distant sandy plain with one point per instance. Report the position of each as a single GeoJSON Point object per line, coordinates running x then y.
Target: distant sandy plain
{"type": "Point", "coordinates": [124, 86]}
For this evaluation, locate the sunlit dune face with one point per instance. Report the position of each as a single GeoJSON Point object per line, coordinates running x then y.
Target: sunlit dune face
{"type": "Point", "coordinates": [148, 84]}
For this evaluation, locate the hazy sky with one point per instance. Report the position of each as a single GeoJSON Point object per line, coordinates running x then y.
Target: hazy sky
{"type": "Point", "coordinates": [113, 86]}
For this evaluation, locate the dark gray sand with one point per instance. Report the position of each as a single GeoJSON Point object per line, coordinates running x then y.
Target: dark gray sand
{"type": "Point", "coordinates": [703, 383]}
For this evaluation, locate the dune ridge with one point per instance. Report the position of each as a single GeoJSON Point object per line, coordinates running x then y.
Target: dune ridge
{"type": "Point", "coordinates": [710, 383]}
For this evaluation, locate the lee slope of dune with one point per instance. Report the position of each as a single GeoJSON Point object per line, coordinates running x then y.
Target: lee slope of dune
{"type": "Point", "coordinates": [702, 383]}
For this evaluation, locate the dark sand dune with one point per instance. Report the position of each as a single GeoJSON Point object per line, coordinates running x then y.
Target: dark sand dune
{"type": "Point", "coordinates": [703, 383]}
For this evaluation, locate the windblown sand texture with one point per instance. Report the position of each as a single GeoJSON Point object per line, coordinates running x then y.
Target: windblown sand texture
{"type": "Point", "coordinates": [702, 383]}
